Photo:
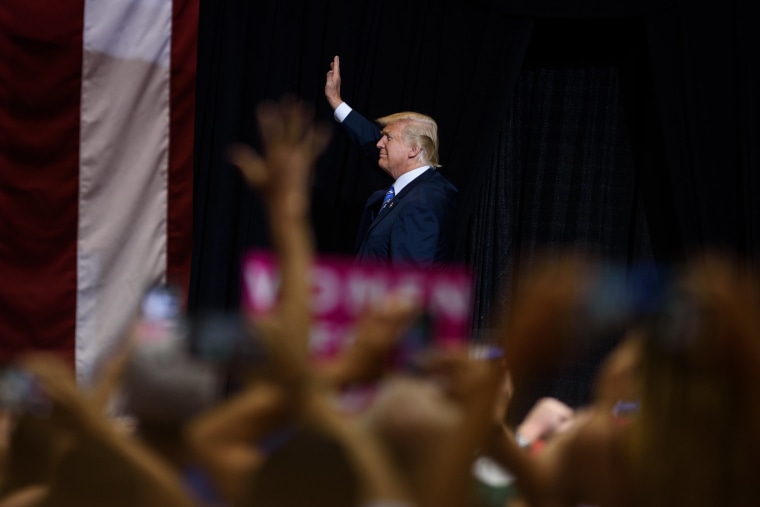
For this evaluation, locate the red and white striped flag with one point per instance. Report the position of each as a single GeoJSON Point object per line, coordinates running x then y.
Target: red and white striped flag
{"type": "Point", "coordinates": [96, 142]}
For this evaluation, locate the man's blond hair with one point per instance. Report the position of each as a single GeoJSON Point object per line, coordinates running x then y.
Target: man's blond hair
{"type": "Point", "coordinates": [418, 130]}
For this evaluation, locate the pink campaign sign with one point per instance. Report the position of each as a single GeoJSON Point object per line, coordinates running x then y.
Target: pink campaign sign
{"type": "Point", "coordinates": [342, 290]}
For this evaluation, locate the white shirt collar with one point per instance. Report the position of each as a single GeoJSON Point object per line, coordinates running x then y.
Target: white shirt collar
{"type": "Point", "coordinates": [407, 178]}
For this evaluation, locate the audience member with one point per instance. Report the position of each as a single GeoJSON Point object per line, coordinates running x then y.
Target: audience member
{"type": "Point", "coordinates": [690, 373]}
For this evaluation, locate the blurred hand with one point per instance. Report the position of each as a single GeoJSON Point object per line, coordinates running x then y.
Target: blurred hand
{"type": "Point", "coordinates": [290, 144]}
{"type": "Point", "coordinates": [618, 376]}
{"type": "Point", "coordinates": [547, 417]}
{"type": "Point", "coordinates": [378, 331]}
{"type": "Point", "coordinates": [70, 409]}
{"type": "Point", "coordinates": [470, 380]}
{"type": "Point", "coordinates": [111, 372]}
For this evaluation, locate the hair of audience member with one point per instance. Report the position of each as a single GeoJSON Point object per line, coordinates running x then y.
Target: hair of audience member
{"type": "Point", "coordinates": [164, 385]}
{"type": "Point", "coordinates": [418, 130]}
{"type": "Point", "coordinates": [696, 440]}
{"type": "Point", "coordinates": [163, 388]}
{"type": "Point", "coordinates": [618, 377]}
{"type": "Point", "coordinates": [410, 416]}
{"type": "Point", "coordinates": [310, 468]}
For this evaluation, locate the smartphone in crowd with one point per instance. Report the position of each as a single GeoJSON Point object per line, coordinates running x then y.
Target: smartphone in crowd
{"type": "Point", "coordinates": [161, 314]}
{"type": "Point", "coordinates": [21, 392]}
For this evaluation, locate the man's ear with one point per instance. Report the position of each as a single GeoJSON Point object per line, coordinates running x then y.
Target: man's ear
{"type": "Point", "coordinates": [414, 151]}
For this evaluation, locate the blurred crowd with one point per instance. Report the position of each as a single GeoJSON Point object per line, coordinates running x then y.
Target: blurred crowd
{"type": "Point", "coordinates": [674, 419]}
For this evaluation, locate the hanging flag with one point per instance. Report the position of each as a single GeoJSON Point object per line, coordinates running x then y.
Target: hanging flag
{"type": "Point", "coordinates": [96, 143]}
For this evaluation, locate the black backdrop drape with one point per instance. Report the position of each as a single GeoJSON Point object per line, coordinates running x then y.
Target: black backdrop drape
{"type": "Point", "coordinates": [682, 78]}
{"type": "Point", "coordinates": [563, 172]}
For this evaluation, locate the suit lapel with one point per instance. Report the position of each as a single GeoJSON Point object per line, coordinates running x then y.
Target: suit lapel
{"type": "Point", "coordinates": [397, 199]}
{"type": "Point", "coordinates": [368, 215]}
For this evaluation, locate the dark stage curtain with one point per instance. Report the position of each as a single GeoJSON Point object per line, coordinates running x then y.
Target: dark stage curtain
{"type": "Point", "coordinates": [567, 168]}
{"type": "Point", "coordinates": [563, 176]}
{"type": "Point", "coordinates": [577, 9]}
{"type": "Point", "coordinates": [705, 63]}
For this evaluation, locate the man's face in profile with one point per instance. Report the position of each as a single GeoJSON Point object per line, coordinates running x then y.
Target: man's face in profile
{"type": "Point", "coordinates": [394, 153]}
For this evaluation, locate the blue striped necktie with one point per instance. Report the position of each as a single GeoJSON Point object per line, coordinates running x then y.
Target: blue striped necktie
{"type": "Point", "coordinates": [387, 199]}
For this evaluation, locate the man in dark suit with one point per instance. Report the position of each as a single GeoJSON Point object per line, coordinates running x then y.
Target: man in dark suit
{"type": "Point", "coordinates": [412, 221]}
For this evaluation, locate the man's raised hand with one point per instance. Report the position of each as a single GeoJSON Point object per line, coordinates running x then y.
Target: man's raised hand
{"type": "Point", "coordinates": [332, 83]}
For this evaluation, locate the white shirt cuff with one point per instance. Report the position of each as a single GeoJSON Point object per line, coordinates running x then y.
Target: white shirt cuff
{"type": "Point", "coordinates": [342, 111]}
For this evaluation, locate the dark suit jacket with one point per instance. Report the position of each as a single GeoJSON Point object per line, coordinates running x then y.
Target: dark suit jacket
{"type": "Point", "coordinates": [417, 226]}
